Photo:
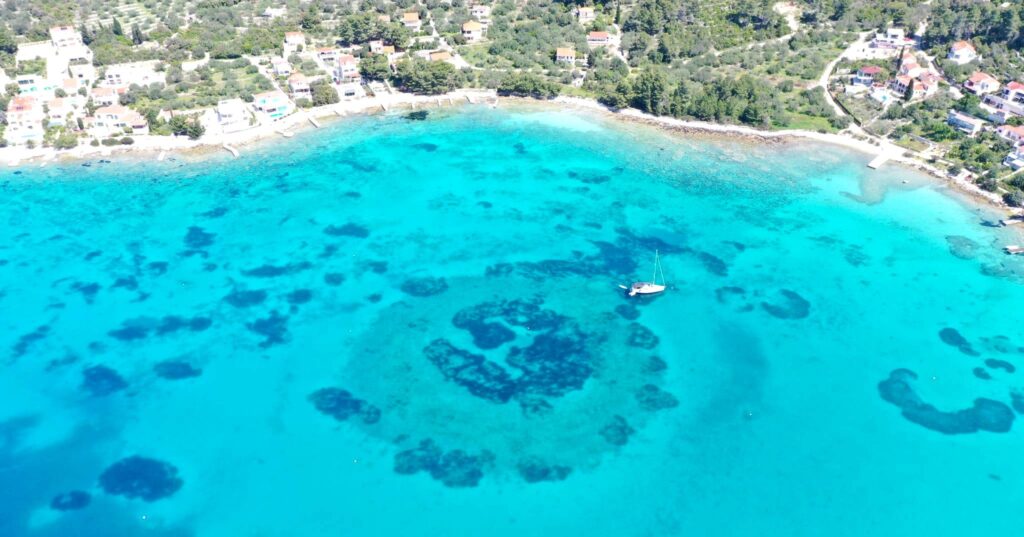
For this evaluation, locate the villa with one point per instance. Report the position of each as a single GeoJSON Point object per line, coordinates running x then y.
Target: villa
{"type": "Point", "coordinates": [273, 103]}
{"type": "Point", "coordinates": [347, 69]}
{"type": "Point", "coordinates": [981, 83]}
{"type": "Point", "coordinates": [472, 31]}
{"type": "Point", "coordinates": [376, 46]}
{"type": "Point", "coordinates": [115, 120]}
{"type": "Point", "coordinates": [598, 39]}
{"type": "Point", "coordinates": [866, 76]}
{"type": "Point", "coordinates": [232, 115]}
{"type": "Point", "coordinates": [969, 125]}
{"type": "Point", "coordinates": [411, 20]}
{"type": "Point", "coordinates": [585, 14]}
{"type": "Point", "coordinates": [962, 52]}
{"type": "Point", "coordinates": [299, 86]}
{"type": "Point", "coordinates": [281, 67]}
{"type": "Point", "coordinates": [24, 121]}
{"type": "Point", "coordinates": [124, 75]}
{"type": "Point", "coordinates": [892, 39]}
{"type": "Point", "coordinates": [565, 55]}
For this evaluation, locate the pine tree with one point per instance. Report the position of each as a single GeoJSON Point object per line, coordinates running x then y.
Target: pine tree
{"type": "Point", "coordinates": [909, 94]}
{"type": "Point", "coordinates": [137, 37]}
{"type": "Point", "coordinates": [117, 28]}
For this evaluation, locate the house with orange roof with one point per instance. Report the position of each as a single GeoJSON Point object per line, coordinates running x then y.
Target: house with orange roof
{"type": "Point", "coordinates": [411, 20]}
{"type": "Point", "coordinates": [962, 52]}
{"type": "Point", "coordinates": [598, 39]}
{"type": "Point", "coordinates": [981, 83]}
{"type": "Point", "coordinates": [328, 54]}
{"type": "Point", "coordinates": [58, 112]}
{"type": "Point", "coordinates": [1011, 133]}
{"type": "Point", "coordinates": [565, 55]}
{"type": "Point", "coordinates": [472, 31]}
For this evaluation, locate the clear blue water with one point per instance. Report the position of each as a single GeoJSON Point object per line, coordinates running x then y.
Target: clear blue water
{"type": "Point", "coordinates": [395, 327]}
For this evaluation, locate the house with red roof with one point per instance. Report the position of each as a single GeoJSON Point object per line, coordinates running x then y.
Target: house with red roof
{"type": "Point", "coordinates": [981, 83]}
{"type": "Point", "coordinates": [962, 52]}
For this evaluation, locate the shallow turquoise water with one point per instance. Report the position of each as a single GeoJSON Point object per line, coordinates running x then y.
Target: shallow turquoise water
{"type": "Point", "coordinates": [457, 278]}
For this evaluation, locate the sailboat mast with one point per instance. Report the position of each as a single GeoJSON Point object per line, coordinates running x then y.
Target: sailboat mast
{"type": "Point", "coordinates": [654, 277]}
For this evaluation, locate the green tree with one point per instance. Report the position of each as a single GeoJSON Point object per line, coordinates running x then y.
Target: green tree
{"type": "Point", "coordinates": [7, 43]}
{"type": "Point", "coordinates": [375, 67]}
{"type": "Point", "coordinates": [117, 27]}
{"type": "Point", "coordinates": [524, 84]}
{"type": "Point", "coordinates": [311, 18]}
{"type": "Point", "coordinates": [137, 37]}
{"type": "Point", "coordinates": [431, 78]}
{"type": "Point", "coordinates": [323, 94]}
{"type": "Point", "coordinates": [650, 91]}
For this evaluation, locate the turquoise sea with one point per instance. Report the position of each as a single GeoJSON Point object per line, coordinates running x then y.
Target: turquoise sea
{"type": "Point", "coordinates": [411, 327]}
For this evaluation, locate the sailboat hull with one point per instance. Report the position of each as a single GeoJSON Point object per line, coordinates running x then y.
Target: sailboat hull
{"type": "Point", "coordinates": [645, 288]}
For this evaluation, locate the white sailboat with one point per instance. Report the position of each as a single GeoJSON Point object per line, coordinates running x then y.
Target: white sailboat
{"type": "Point", "coordinates": [648, 288]}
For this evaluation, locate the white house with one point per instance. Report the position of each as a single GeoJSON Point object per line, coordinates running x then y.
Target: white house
{"type": "Point", "coordinates": [328, 55]}
{"type": "Point", "coordinates": [598, 39]}
{"type": "Point", "coordinates": [24, 121]}
{"type": "Point", "coordinates": [1015, 160]}
{"type": "Point", "coordinates": [83, 73]}
{"type": "Point", "coordinates": [1014, 91]}
{"type": "Point", "coordinates": [472, 31]}
{"type": "Point", "coordinates": [122, 75]}
{"type": "Point", "coordinates": [867, 75]}
{"type": "Point", "coordinates": [965, 123]}
{"type": "Point", "coordinates": [981, 83]}
{"type": "Point", "coordinates": [346, 69]}
{"type": "Point", "coordinates": [294, 39]}
{"type": "Point", "coordinates": [65, 36]}
{"type": "Point", "coordinates": [273, 103]}
{"type": "Point", "coordinates": [585, 14]}
{"type": "Point", "coordinates": [104, 96]}
{"type": "Point", "coordinates": [910, 67]}
{"type": "Point", "coordinates": [281, 67]}
{"type": "Point", "coordinates": [565, 55]}
{"type": "Point", "coordinates": [57, 112]}
{"type": "Point", "coordinates": [232, 115]}
{"type": "Point", "coordinates": [299, 86]}
{"type": "Point", "coordinates": [116, 120]}
{"type": "Point", "coordinates": [962, 52]}
{"type": "Point", "coordinates": [893, 38]}
{"type": "Point", "coordinates": [1012, 134]}
{"type": "Point", "coordinates": [481, 13]}
{"type": "Point", "coordinates": [34, 85]}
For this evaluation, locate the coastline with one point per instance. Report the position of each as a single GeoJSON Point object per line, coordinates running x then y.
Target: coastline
{"type": "Point", "coordinates": [895, 154]}
{"type": "Point", "coordinates": [303, 119]}
{"type": "Point", "coordinates": [156, 146]}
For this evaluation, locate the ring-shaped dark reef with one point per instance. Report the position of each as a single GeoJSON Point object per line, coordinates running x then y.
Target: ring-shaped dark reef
{"type": "Point", "coordinates": [141, 478]}
{"type": "Point", "coordinates": [953, 338]}
{"type": "Point", "coordinates": [556, 362]}
{"type": "Point", "coordinates": [984, 415]}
